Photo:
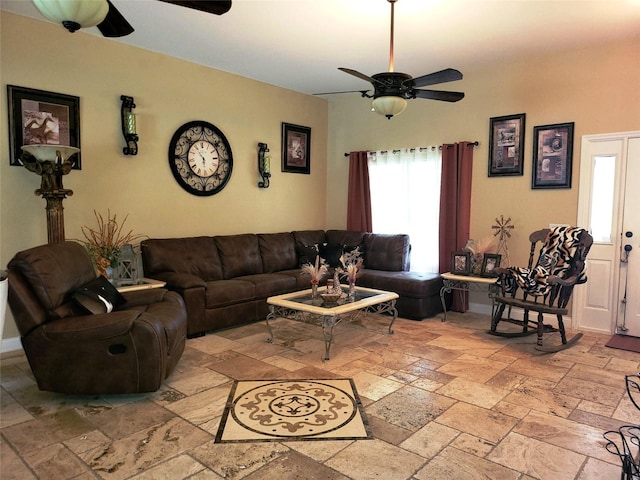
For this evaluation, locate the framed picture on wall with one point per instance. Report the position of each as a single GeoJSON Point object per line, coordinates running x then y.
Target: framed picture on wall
{"type": "Point", "coordinates": [461, 263]}
{"type": "Point", "coordinates": [296, 148]}
{"type": "Point", "coordinates": [506, 145]}
{"type": "Point", "coordinates": [552, 156]}
{"type": "Point", "coordinates": [40, 117]}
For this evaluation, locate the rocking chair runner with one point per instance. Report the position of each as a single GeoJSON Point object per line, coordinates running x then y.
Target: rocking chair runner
{"type": "Point", "coordinates": [544, 286]}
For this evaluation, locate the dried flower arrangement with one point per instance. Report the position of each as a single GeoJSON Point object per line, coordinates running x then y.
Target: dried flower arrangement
{"type": "Point", "coordinates": [352, 263]}
{"type": "Point", "coordinates": [316, 272]}
{"type": "Point", "coordinates": [478, 249]}
{"type": "Point", "coordinates": [105, 242]}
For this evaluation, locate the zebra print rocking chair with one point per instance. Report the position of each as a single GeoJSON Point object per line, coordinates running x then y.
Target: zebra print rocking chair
{"type": "Point", "coordinates": [545, 286]}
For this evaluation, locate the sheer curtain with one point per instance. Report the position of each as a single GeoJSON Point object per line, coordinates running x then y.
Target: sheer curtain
{"type": "Point", "coordinates": [405, 198]}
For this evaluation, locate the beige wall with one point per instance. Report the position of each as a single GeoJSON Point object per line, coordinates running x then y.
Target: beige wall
{"type": "Point", "coordinates": [597, 88]}
{"type": "Point", "coordinates": [168, 92]}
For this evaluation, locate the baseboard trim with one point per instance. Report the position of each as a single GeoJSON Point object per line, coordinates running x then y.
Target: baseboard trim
{"type": "Point", "coordinates": [11, 345]}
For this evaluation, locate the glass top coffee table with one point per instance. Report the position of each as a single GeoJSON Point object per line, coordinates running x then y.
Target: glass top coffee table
{"type": "Point", "coordinates": [295, 305]}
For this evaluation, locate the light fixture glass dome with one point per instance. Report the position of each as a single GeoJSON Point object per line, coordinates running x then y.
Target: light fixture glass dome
{"type": "Point", "coordinates": [74, 14]}
{"type": "Point", "coordinates": [48, 152]}
{"type": "Point", "coordinates": [389, 105]}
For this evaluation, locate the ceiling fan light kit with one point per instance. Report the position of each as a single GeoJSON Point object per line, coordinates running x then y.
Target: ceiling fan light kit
{"type": "Point", "coordinates": [389, 105]}
{"type": "Point", "coordinates": [73, 14]}
{"type": "Point", "coordinates": [393, 89]}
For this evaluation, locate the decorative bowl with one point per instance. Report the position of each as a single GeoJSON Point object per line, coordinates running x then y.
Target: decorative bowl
{"type": "Point", "coordinates": [330, 297]}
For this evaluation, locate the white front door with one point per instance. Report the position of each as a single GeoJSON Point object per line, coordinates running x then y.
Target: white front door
{"type": "Point", "coordinates": [609, 206]}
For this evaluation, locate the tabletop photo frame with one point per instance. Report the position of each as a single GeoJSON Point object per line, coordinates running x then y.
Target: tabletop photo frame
{"type": "Point", "coordinates": [461, 263]}
{"type": "Point", "coordinates": [41, 117]}
{"type": "Point", "coordinates": [552, 156]}
{"type": "Point", "coordinates": [506, 145]}
{"type": "Point", "coordinates": [490, 261]}
{"type": "Point", "coordinates": [296, 148]}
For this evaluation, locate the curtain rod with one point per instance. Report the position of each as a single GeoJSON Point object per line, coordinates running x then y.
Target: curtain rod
{"type": "Point", "coordinates": [475, 144]}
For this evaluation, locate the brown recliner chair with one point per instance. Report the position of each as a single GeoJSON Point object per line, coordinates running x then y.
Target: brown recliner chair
{"type": "Point", "coordinates": [130, 350]}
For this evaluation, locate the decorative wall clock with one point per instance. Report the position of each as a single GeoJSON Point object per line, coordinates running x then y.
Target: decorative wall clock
{"type": "Point", "coordinates": [200, 158]}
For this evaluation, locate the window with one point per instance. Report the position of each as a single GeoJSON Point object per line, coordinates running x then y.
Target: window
{"type": "Point", "coordinates": [602, 197]}
{"type": "Point", "coordinates": [405, 198]}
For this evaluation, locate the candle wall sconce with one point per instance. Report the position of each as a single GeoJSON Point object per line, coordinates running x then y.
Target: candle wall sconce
{"type": "Point", "coordinates": [129, 125]}
{"type": "Point", "coordinates": [264, 165]}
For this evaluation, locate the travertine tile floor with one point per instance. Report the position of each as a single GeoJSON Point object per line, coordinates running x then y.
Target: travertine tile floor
{"type": "Point", "coordinates": [444, 401]}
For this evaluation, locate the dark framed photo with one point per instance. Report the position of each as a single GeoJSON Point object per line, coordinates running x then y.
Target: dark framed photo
{"type": "Point", "coordinates": [490, 262]}
{"type": "Point", "coordinates": [296, 148]}
{"type": "Point", "coordinates": [40, 117]}
{"type": "Point", "coordinates": [552, 156]}
{"type": "Point", "coordinates": [461, 263]}
{"type": "Point", "coordinates": [506, 145]}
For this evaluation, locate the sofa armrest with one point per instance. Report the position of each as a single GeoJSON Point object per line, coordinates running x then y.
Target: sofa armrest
{"type": "Point", "coordinates": [91, 327]}
{"type": "Point", "coordinates": [179, 281]}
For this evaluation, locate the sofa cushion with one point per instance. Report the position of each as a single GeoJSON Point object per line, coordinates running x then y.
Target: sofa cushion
{"type": "Point", "coordinates": [345, 237]}
{"type": "Point", "coordinates": [309, 237]}
{"type": "Point", "coordinates": [405, 284]}
{"type": "Point", "coordinates": [193, 255]}
{"type": "Point", "coordinates": [386, 252]}
{"type": "Point", "coordinates": [307, 254]}
{"type": "Point", "coordinates": [228, 292]}
{"type": "Point", "coordinates": [270, 284]}
{"type": "Point", "coordinates": [239, 255]}
{"type": "Point", "coordinates": [278, 251]}
{"type": "Point", "coordinates": [331, 253]}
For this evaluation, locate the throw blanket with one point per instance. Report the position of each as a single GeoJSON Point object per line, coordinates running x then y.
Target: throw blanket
{"type": "Point", "coordinates": [556, 258]}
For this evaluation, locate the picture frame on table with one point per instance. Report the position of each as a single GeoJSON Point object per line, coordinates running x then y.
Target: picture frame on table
{"type": "Point", "coordinates": [506, 145]}
{"type": "Point", "coordinates": [490, 262]}
{"type": "Point", "coordinates": [461, 263]}
{"type": "Point", "coordinates": [296, 148]}
{"type": "Point", "coordinates": [42, 117]}
{"type": "Point", "coordinates": [552, 156]}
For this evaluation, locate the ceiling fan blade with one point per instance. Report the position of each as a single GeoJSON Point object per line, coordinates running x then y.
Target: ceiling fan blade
{"type": "Point", "coordinates": [217, 7]}
{"type": "Point", "coordinates": [114, 24]}
{"type": "Point", "coordinates": [364, 93]}
{"type": "Point", "coordinates": [443, 76]}
{"type": "Point", "coordinates": [438, 95]}
{"type": "Point", "coordinates": [361, 76]}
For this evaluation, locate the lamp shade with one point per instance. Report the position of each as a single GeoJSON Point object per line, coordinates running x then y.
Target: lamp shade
{"type": "Point", "coordinates": [389, 105]}
{"type": "Point", "coordinates": [73, 14]}
{"type": "Point", "coordinates": [48, 152]}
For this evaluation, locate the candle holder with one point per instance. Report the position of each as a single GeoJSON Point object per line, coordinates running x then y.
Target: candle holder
{"type": "Point", "coordinates": [264, 165]}
{"type": "Point", "coordinates": [129, 125]}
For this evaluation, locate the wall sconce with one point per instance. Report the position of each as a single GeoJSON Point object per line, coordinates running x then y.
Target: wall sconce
{"type": "Point", "coordinates": [129, 125]}
{"type": "Point", "coordinates": [264, 165]}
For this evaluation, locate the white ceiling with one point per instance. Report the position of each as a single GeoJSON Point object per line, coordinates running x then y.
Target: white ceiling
{"type": "Point", "coordinates": [299, 44]}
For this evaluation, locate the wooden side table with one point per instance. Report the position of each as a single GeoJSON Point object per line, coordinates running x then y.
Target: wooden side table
{"type": "Point", "coordinates": [467, 283]}
{"type": "Point", "coordinates": [142, 284]}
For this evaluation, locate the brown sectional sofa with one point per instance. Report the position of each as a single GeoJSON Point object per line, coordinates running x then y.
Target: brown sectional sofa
{"type": "Point", "coordinates": [225, 280]}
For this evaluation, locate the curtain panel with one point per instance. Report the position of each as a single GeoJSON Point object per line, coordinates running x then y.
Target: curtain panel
{"type": "Point", "coordinates": [455, 206]}
{"type": "Point", "coordinates": [359, 194]}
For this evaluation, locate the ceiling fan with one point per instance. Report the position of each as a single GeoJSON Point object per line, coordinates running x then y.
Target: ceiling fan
{"type": "Point", "coordinates": [392, 89]}
{"type": "Point", "coordinates": [76, 14]}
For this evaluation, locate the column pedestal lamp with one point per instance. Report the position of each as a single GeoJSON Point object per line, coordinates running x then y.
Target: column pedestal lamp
{"type": "Point", "coordinates": [51, 163]}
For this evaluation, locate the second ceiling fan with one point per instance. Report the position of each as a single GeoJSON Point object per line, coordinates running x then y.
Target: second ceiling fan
{"type": "Point", "coordinates": [393, 89]}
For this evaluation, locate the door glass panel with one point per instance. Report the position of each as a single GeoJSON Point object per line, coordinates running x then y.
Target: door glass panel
{"type": "Point", "coordinates": [601, 222]}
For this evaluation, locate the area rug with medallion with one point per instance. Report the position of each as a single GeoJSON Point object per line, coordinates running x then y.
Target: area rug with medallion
{"type": "Point", "coordinates": [286, 410]}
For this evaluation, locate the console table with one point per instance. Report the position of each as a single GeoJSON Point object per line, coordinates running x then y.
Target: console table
{"type": "Point", "coordinates": [467, 283]}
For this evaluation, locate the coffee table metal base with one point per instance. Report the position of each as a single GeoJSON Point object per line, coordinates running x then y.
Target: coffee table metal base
{"type": "Point", "coordinates": [328, 322]}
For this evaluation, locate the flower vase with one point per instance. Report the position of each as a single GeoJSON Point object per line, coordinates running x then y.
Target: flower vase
{"type": "Point", "coordinates": [314, 290]}
{"type": "Point", "coordinates": [352, 290]}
